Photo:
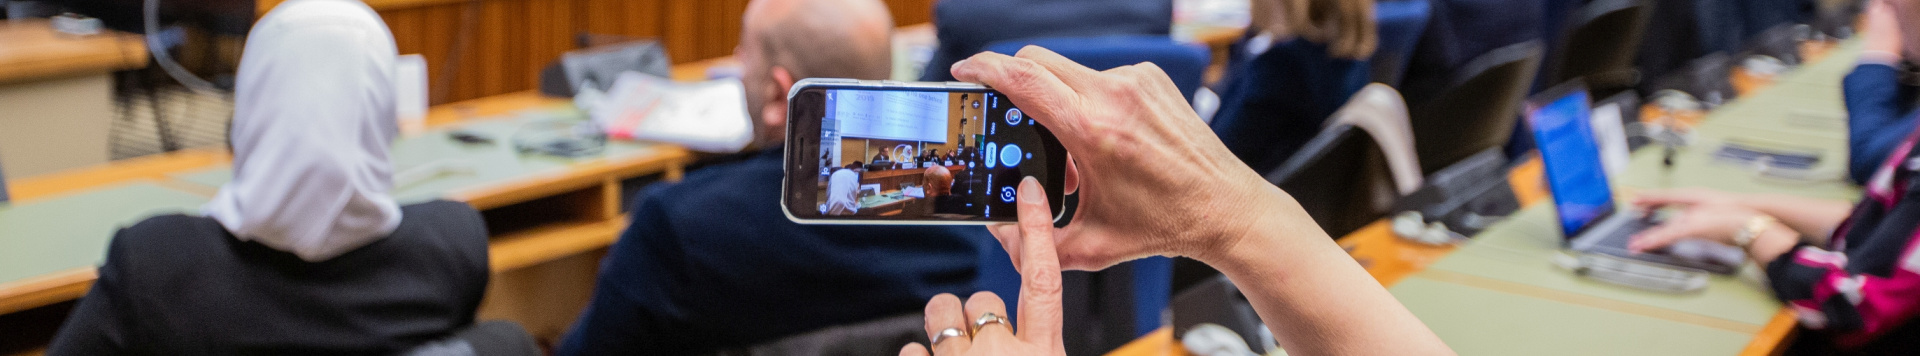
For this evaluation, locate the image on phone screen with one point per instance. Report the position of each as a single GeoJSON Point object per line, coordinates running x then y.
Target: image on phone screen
{"type": "Point", "coordinates": [921, 155]}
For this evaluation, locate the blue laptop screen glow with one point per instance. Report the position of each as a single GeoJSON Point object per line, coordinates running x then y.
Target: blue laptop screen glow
{"type": "Point", "coordinates": [1572, 158]}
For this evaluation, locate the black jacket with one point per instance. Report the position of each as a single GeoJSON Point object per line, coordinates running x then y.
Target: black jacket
{"type": "Point", "coordinates": [182, 285]}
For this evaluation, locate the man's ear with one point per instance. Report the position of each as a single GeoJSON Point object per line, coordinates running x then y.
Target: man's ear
{"type": "Point", "coordinates": [776, 115]}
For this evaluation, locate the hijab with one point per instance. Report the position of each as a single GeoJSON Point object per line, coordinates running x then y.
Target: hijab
{"type": "Point", "coordinates": [313, 120]}
{"type": "Point", "coordinates": [843, 192]}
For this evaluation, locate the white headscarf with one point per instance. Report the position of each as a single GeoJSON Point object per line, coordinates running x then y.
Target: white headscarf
{"type": "Point", "coordinates": [313, 120]}
{"type": "Point", "coordinates": [843, 188]}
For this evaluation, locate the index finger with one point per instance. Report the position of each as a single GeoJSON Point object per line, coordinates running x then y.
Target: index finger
{"type": "Point", "coordinates": [1659, 198]}
{"type": "Point", "coordinates": [1040, 306]}
{"type": "Point", "coordinates": [1032, 86]}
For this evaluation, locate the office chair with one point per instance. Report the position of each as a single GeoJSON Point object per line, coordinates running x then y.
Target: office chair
{"type": "Point", "coordinates": [1400, 25]}
{"type": "Point", "coordinates": [1185, 64]}
{"type": "Point", "coordinates": [3, 186]}
{"type": "Point", "coordinates": [1600, 45]}
{"type": "Point", "coordinates": [1479, 110]}
{"type": "Point", "coordinates": [1379, 110]}
{"type": "Point", "coordinates": [1341, 178]}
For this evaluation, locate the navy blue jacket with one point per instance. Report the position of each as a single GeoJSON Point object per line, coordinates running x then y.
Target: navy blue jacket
{"type": "Point", "coordinates": [712, 262]}
{"type": "Point", "coordinates": [966, 27]}
{"type": "Point", "coordinates": [1461, 30]}
{"type": "Point", "coordinates": [1275, 102]}
{"type": "Point", "coordinates": [1880, 114]}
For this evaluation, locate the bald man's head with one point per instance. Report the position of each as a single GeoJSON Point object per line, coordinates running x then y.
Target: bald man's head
{"type": "Point", "coordinates": [784, 41]}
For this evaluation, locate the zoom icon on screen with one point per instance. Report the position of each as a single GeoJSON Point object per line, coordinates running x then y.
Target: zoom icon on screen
{"type": "Point", "coordinates": [1014, 117]}
{"type": "Point", "coordinates": [1007, 194]}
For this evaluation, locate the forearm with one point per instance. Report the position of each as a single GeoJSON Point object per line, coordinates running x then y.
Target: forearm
{"type": "Point", "coordinates": [1812, 218]}
{"type": "Point", "coordinates": [1314, 297]}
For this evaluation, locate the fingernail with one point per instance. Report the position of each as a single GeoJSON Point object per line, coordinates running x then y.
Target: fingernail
{"type": "Point", "coordinates": [955, 69]}
{"type": "Point", "coordinates": [1030, 190]}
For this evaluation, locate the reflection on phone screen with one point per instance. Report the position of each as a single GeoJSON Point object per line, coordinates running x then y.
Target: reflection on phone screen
{"type": "Point", "coordinates": [925, 154]}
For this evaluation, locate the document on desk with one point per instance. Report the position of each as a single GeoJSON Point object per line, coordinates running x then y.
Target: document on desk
{"type": "Point", "coordinates": [706, 116]}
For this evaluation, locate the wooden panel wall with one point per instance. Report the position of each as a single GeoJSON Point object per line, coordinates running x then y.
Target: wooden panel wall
{"type": "Point", "coordinates": [477, 48]}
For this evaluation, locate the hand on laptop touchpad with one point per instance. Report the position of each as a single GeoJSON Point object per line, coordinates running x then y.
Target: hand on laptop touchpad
{"type": "Point", "coordinates": [1705, 251]}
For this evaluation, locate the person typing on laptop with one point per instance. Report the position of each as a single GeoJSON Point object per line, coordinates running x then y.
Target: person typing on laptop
{"type": "Point", "coordinates": [1583, 200]}
{"type": "Point", "coordinates": [1852, 274]}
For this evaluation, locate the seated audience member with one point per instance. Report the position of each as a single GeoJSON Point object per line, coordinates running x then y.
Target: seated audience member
{"type": "Point", "coordinates": [1313, 296]}
{"type": "Point", "coordinates": [1309, 57]}
{"type": "Point", "coordinates": [1847, 271]}
{"type": "Point", "coordinates": [939, 181]}
{"type": "Point", "coordinates": [305, 251]}
{"type": "Point", "coordinates": [967, 27]}
{"type": "Point", "coordinates": [712, 262]}
{"type": "Point", "coordinates": [1461, 30]}
{"type": "Point", "coordinates": [843, 192]}
{"type": "Point", "coordinates": [1880, 108]}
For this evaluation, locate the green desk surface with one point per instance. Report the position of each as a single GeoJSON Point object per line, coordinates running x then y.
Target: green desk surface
{"type": "Point", "coordinates": [1803, 111]}
{"type": "Point", "coordinates": [1521, 250]}
{"type": "Point", "coordinates": [1475, 321]}
{"type": "Point", "coordinates": [1502, 294]}
{"type": "Point", "coordinates": [47, 236]}
{"type": "Point", "coordinates": [482, 165]}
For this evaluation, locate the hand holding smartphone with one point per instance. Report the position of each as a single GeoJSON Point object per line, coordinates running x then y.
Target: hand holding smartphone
{"type": "Point", "coordinates": [886, 152]}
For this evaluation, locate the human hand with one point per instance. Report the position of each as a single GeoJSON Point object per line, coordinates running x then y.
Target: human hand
{"type": "Point", "coordinates": [1654, 199]}
{"type": "Point", "coordinates": [1883, 29]}
{"type": "Point", "coordinates": [1031, 246]}
{"type": "Point", "coordinates": [1149, 171]}
{"type": "Point", "coordinates": [1706, 215]}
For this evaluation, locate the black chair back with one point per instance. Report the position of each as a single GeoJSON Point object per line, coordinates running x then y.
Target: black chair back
{"type": "Point", "coordinates": [1479, 110]}
{"type": "Point", "coordinates": [487, 338]}
{"type": "Point", "coordinates": [1600, 45]}
{"type": "Point", "coordinates": [1341, 178]}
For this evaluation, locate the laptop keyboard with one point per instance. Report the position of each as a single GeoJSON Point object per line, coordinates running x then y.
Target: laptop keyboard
{"type": "Point", "coordinates": [1619, 236]}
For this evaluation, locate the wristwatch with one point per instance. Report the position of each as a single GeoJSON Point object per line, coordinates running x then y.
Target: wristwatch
{"type": "Point", "coordinates": [1756, 226]}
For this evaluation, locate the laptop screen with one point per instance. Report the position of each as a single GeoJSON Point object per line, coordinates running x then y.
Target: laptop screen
{"type": "Point", "coordinates": [1574, 174]}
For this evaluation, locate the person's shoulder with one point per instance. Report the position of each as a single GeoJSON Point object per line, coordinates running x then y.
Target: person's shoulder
{"type": "Point", "coordinates": [447, 222]}
{"type": "Point", "coordinates": [718, 181]}
{"type": "Point", "coordinates": [169, 232]}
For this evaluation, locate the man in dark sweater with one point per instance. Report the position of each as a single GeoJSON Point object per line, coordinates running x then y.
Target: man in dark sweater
{"type": "Point", "coordinates": [712, 263]}
{"type": "Point", "coordinates": [1880, 108]}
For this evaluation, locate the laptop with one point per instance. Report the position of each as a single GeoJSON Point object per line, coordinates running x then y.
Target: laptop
{"type": "Point", "coordinates": [1590, 220]}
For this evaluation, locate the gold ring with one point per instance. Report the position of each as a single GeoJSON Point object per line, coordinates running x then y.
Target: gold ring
{"type": "Point", "coordinates": [990, 318]}
{"type": "Point", "coordinates": [949, 333]}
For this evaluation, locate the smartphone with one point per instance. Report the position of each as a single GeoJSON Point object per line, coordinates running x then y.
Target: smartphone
{"type": "Point", "coordinates": [887, 152]}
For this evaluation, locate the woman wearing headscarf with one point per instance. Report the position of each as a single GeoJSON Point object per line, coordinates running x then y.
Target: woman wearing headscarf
{"type": "Point", "coordinates": [305, 251]}
{"type": "Point", "coordinates": [843, 192]}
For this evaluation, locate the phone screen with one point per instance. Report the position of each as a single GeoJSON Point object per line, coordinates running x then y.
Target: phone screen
{"type": "Point", "coordinates": [914, 154]}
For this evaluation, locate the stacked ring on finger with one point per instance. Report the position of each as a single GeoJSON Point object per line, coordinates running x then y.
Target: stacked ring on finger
{"type": "Point", "coordinates": [949, 333]}
{"type": "Point", "coordinates": [990, 318]}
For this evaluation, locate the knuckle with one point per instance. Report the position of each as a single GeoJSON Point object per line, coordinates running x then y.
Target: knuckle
{"type": "Point", "coordinates": [1044, 280]}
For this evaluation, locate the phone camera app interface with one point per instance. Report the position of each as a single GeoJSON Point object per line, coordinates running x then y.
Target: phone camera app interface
{"type": "Point", "coordinates": [919, 155]}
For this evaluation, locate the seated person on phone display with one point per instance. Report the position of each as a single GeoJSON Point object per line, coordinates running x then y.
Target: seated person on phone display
{"type": "Point", "coordinates": [712, 262]}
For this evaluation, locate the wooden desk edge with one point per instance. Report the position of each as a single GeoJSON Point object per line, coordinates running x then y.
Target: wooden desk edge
{"type": "Point", "coordinates": [1773, 338]}
{"type": "Point", "coordinates": [667, 160]}
{"type": "Point", "coordinates": [111, 51]}
{"type": "Point", "coordinates": [46, 290]}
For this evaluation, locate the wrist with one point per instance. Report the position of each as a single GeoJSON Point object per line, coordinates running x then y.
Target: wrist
{"type": "Point", "coordinates": [1772, 243]}
{"type": "Point", "coordinates": [1277, 231]}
